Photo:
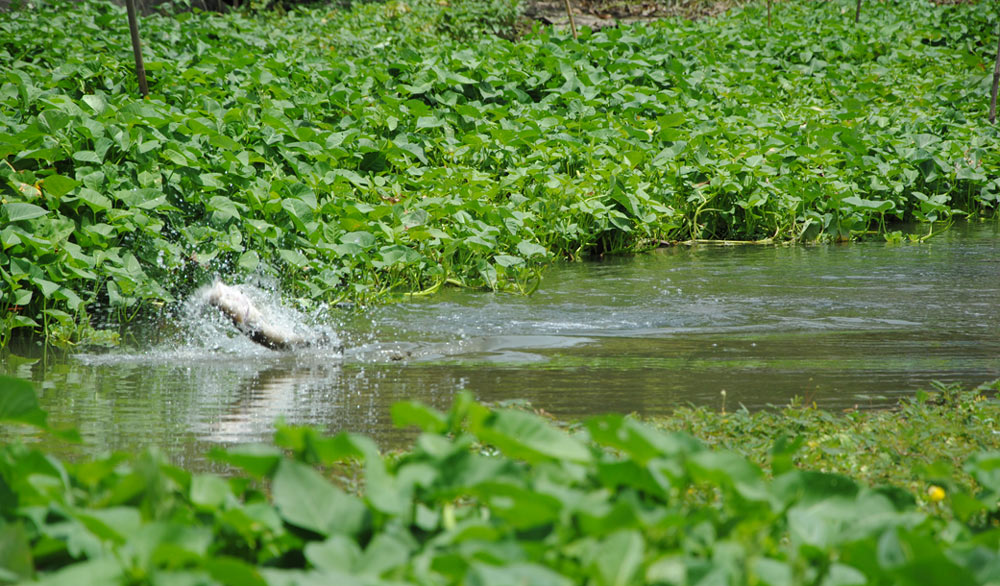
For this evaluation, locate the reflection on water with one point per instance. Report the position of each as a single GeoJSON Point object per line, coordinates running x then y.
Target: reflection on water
{"type": "Point", "coordinates": [840, 325]}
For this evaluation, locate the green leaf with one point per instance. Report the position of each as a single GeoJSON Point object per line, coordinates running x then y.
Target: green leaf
{"type": "Point", "coordinates": [234, 572]}
{"type": "Point", "coordinates": [224, 207]}
{"type": "Point", "coordinates": [386, 552]}
{"type": "Point", "coordinates": [53, 120]}
{"type": "Point", "coordinates": [162, 542]}
{"type": "Point", "coordinates": [174, 157]}
{"type": "Point", "coordinates": [985, 468]}
{"type": "Point", "coordinates": [257, 459]}
{"type": "Point", "coordinates": [115, 524]}
{"type": "Point", "coordinates": [23, 211]}
{"type": "Point", "coordinates": [249, 261]}
{"type": "Point", "coordinates": [782, 453]}
{"type": "Point", "coordinates": [59, 185]}
{"type": "Point", "coordinates": [298, 210]}
{"type": "Point", "coordinates": [209, 491]}
{"type": "Point", "coordinates": [48, 288]}
{"type": "Point", "coordinates": [525, 435]}
{"type": "Point", "coordinates": [293, 258]}
{"type": "Point", "coordinates": [279, 577]}
{"type": "Point", "coordinates": [18, 403]}
{"type": "Point", "coordinates": [9, 237]}
{"type": "Point", "coordinates": [519, 507]}
{"type": "Point", "coordinates": [809, 486]}
{"type": "Point", "coordinates": [506, 260]}
{"type": "Point", "coordinates": [530, 249]}
{"type": "Point", "coordinates": [307, 500]}
{"type": "Point", "coordinates": [514, 574]}
{"type": "Point", "coordinates": [105, 570]}
{"type": "Point", "coordinates": [871, 204]}
{"type": "Point", "coordinates": [15, 553]}
{"type": "Point", "coordinates": [671, 120]}
{"type": "Point", "coordinates": [429, 122]}
{"type": "Point", "coordinates": [729, 469]}
{"type": "Point", "coordinates": [406, 413]}
{"type": "Point", "coordinates": [640, 441]}
{"type": "Point", "coordinates": [22, 296]}
{"type": "Point", "coordinates": [361, 239]}
{"type": "Point", "coordinates": [87, 157]}
{"type": "Point", "coordinates": [94, 200]}
{"type": "Point", "coordinates": [667, 154]}
{"type": "Point", "coordinates": [809, 525]}
{"type": "Point", "coordinates": [619, 557]}
{"type": "Point", "coordinates": [96, 102]}
{"type": "Point", "coordinates": [351, 176]}
{"type": "Point", "coordinates": [338, 552]}
{"type": "Point", "coordinates": [224, 142]}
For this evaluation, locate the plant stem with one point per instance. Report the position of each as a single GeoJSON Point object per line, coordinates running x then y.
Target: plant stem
{"type": "Point", "coordinates": [572, 22]}
{"type": "Point", "coordinates": [996, 81]}
{"type": "Point", "coordinates": [768, 13]}
{"type": "Point", "coordinates": [857, 13]}
{"type": "Point", "coordinates": [133, 26]}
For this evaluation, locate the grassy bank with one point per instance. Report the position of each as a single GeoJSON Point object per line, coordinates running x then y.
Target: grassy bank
{"type": "Point", "coordinates": [505, 497]}
{"type": "Point", "coordinates": [388, 148]}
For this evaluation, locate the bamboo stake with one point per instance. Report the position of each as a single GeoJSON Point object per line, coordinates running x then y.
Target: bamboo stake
{"type": "Point", "coordinates": [768, 13]}
{"type": "Point", "coordinates": [572, 22]}
{"type": "Point", "coordinates": [133, 27]}
{"type": "Point", "coordinates": [857, 13]}
{"type": "Point", "coordinates": [996, 81]}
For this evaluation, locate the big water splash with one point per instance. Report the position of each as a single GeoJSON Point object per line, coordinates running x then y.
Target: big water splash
{"type": "Point", "coordinates": [219, 322]}
{"type": "Point", "coordinates": [247, 386]}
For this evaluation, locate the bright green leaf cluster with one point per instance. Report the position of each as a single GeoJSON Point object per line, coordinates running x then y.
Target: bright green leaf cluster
{"type": "Point", "coordinates": [397, 147]}
{"type": "Point", "coordinates": [484, 497]}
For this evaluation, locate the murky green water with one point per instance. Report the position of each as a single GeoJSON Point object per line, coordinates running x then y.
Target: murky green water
{"type": "Point", "coordinates": [844, 325]}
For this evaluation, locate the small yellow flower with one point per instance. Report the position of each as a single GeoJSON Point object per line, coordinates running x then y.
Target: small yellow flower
{"type": "Point", "coordinates": [935, 493]}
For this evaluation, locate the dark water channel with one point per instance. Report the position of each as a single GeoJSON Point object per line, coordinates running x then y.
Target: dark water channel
{"type": "Point", "coordinates": [841, 325]}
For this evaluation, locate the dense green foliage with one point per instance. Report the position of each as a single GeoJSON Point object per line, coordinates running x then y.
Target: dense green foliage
{"type": "Point", "coordinates": [489, 497]}
{"type": "Point", "coordinates": [927, 438]}
{"type": "Point", "coordinates": [396, 147]}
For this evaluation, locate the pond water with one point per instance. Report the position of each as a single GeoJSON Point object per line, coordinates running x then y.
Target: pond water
{"type": "Point", "coordinates": [841, 325]}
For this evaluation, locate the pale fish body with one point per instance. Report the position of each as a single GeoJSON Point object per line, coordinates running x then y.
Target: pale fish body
{"type": "Point", "coordinates": [249, 320]}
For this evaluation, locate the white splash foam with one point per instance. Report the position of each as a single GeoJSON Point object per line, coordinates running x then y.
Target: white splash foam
{"type": "Point", "coordinates": [201, 333]}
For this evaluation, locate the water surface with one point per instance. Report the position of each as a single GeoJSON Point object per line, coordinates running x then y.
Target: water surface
{"type": "Point", "coordinates": [841, 325]}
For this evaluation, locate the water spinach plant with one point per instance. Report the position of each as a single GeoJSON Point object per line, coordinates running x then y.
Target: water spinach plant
{"type": "Point", "coordinates": [359, 152]}
{"type": "Point", "coordinates": [485, 496]}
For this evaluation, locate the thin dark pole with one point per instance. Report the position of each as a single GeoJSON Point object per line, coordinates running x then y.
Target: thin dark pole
{"type": "Point", "coordinates": [768, 13]}
{"type": "Point", "coordinates": [133, 27]}
{"type": "Point", "coordinates": [996, 82]}
{"type": "Point", "coordinates": [857, 13]}
{"type": "Point", "coordinates": [572, 22]}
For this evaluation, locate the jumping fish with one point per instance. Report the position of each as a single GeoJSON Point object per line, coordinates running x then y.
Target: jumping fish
{"type": "Point", "coordinates": [249, 320]}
